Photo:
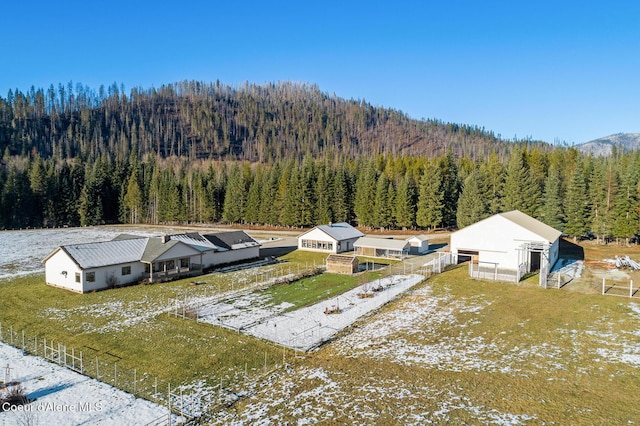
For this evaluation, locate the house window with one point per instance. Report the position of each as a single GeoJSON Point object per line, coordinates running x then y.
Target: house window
{"type": "Point", "coordinates": [171, 264]}
{"type": "Point", "coordinates": [91, 277]}
{"type": "Point", "coordinates": [184, 262]}
{"type": "Point", "coordinates": [77, 277]}
{"type": "Point", "coordinates": [126, 270]}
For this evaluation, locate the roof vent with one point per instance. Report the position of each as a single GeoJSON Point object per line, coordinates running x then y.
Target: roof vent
{"type": "Point", "coordinates": [166, 238]}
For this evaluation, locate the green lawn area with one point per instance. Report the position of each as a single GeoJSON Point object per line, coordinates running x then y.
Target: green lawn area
{"type": "Point", "coordinates": [133, 324]}
{"type": "Point", "coordinates": [460, 351]}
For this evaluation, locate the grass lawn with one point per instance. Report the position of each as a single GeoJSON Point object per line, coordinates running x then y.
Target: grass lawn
{"type": "Point", "coordinates": [133, 324]}
{"type": "Point", "coordinates": [459, 351]}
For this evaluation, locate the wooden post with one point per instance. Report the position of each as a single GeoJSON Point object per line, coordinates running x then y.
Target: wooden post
{"type": "Point", "coordinates": [630, 288]}
{"type": "Point", "coordinates": [155, 387]}
{"type": "Point", "coordinates": [558, 281]}
{"type": "Point", "coordinates": [23, 340]}
{"type": "Point", "coordinates": [134, 380]}
{"type": "Point", "coordinates": [603, 279]}
{"type": "Point", "coordinates": [97, 370]}
{"type": "Point", "coordinates": [115, 373]}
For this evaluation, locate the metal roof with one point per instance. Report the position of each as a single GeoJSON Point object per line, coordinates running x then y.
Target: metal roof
{"type": "Point", "coordinates": [534, 225]}
{"type": "Point", "coordinates": [420, 237]}
{"type": "Point", "coordinates": [232, 240]}
{"type": "Point", "coordinates": [385, 243]}
{"type": "Point", "coordinates": [195, 240]}
{"type": "Point", "coordinates": [339, 231]}
{"type": "Point", "coordinates": [104, 253]}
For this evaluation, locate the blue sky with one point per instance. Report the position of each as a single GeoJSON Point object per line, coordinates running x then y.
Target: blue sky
{"type": "Point", "coordinates": [566, 71]}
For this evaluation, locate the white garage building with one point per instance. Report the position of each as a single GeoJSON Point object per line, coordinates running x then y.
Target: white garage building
{"type": "Point", "coordinates": [507, 245]}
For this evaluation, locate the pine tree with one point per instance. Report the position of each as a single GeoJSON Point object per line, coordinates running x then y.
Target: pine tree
{"type": "Point", "coordinates": [472, 205]}
{"type": "Point", "coordinates": [382, 205]}
{"type": "Point", "coordinates": [576, 205]}
{"type": "Point", "coordinates": [552, 212]}
{"type": "Point", "coordinates": [365, 187]}
{"type": "Point", "coordinates": [235, 196]}
{"type": "Point", "coordinates": [342, 196]}
{"type": "Point", "coordinates": [602, 190]}
{"type": "Point", "coordinates": [430, 198]}
{"type": "Point", "coordinates": [405, 214]}
{"type": "Point", "coordinates": [450, 186]}
{"type": "Point", "coordinates": [521, 191]}
{"type": "Point", "coordinates": [627, 205]}
{"type": "Point", "coordinates": [324, 196]}
{"type": "Point", "coordinates": [252, 211]}
{"type": "Point", "coordinates": [495, 173]}
{"type": "Point", "coordinates": [133, 198]}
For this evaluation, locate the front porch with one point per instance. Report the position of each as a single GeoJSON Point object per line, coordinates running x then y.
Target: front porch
{"type": "Point", "coordinates": [172, 269]}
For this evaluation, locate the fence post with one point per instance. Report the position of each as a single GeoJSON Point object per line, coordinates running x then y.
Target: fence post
{"type": "Point", "coordinates": [115, 373]}
{"type": "Point", "coordinates": [11, 334]}
{"type": "Point", "coordinates": [97, 370]}
{"type": "Point", "coordinates": [135, 377]}
{"type": "Point", "coordinates": [603, 279]}
{"type": "Point", "coordinates": [558, 281]}
{"type": "Point", "coordinates": [23, 347]}
{"type": "Point", "coordinates": [169, 400]}
{"type": "Point", "coordinates": [630, 288]}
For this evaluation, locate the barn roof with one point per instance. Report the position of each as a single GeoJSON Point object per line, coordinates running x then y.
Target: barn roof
{"type": "Point", "coordinates": [384, 243]}
{"type": "Point", "coordinates": [534, 225]}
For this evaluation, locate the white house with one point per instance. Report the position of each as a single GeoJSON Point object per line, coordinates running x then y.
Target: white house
{"type": "Point", "coordinates": [418, 244]}
{"type": "Point", "coordinates": [130, 259]}
{"type": "Point", "coordinates": [511, 241]}
{"type": "Point", "coordinates": [331, 238]}
{"type": "Point", "coordinates": [95, 266]}
{"type": "Point", "coordinates": [382, 247]}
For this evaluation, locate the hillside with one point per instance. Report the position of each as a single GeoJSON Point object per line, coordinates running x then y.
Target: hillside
{"type": "Point", "coordinates": [604, 146]}
{"type": "Point", "coordinates": [203, 120]}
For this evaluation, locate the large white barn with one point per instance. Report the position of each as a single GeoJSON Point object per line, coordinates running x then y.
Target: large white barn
{"type": "Point", "coordinates": [130, 259]}
{"type": "Point", "coordinates": [331, 238]}
{"type": "Point", "coordinates": [510, 241]}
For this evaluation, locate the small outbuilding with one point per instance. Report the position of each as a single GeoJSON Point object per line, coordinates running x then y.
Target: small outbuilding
{"type": "Point", "coordinates": [331, 238]}
{"type": "Point", "coordinates": [511, 243]}
{"type": "Point", "coordinates": [342, 264]}
{"type": "Point", "coordinates": [418, 244]}
{"type": "Point", "coordinates": [382, 247]}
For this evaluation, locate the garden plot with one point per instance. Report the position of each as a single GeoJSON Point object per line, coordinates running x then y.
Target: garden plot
{"type": "Point", "coordinates": [304, 328]}
{"type": "Point", "coordinates": [63, 397]}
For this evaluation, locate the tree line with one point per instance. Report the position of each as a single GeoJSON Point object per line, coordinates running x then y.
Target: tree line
{"type": "Point", "coordinates": [564, 188]}
{"type": "Point", "coordinates": [256, 123]}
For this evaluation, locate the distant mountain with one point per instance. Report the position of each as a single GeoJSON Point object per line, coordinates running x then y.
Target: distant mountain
{"type": "Point", "coordinates": [603, 146]}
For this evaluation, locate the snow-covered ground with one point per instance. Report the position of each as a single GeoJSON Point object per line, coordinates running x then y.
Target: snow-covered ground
{"type": "Point", "coordinates": [62, 397]}
{"type": "Point", "coordinates": [304, 328]}
{"type": "Point", "coordinates": [21, 252]}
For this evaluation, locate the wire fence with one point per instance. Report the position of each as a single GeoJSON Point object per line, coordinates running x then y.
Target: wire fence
{"type": "Point", "coordinates": [180, 399]}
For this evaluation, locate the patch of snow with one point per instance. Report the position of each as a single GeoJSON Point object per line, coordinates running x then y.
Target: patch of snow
{"type": "Point", "coordinates": [63, 397]}
{"type": "Point", "coordinates": [304, 328]}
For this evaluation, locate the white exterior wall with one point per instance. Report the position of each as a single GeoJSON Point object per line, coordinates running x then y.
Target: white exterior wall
{"type": "Point", "coordinates": [318, 235]}
{"type": "Point", "coordinates": [62, 262]}
{"type": "Point", "coordinates": [53, 272]}
{"type": "Point", "coordinates": [231, 256]}
{"type": "Point", "coordinates": [497, 240]}
{"type": "Point", "coordinates": [418, 246]}
{"type": "Point", "coordinates": [100, 283]}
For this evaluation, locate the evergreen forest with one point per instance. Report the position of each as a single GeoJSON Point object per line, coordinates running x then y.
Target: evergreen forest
{"type": "Point", "coordinates": [286, 155]}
